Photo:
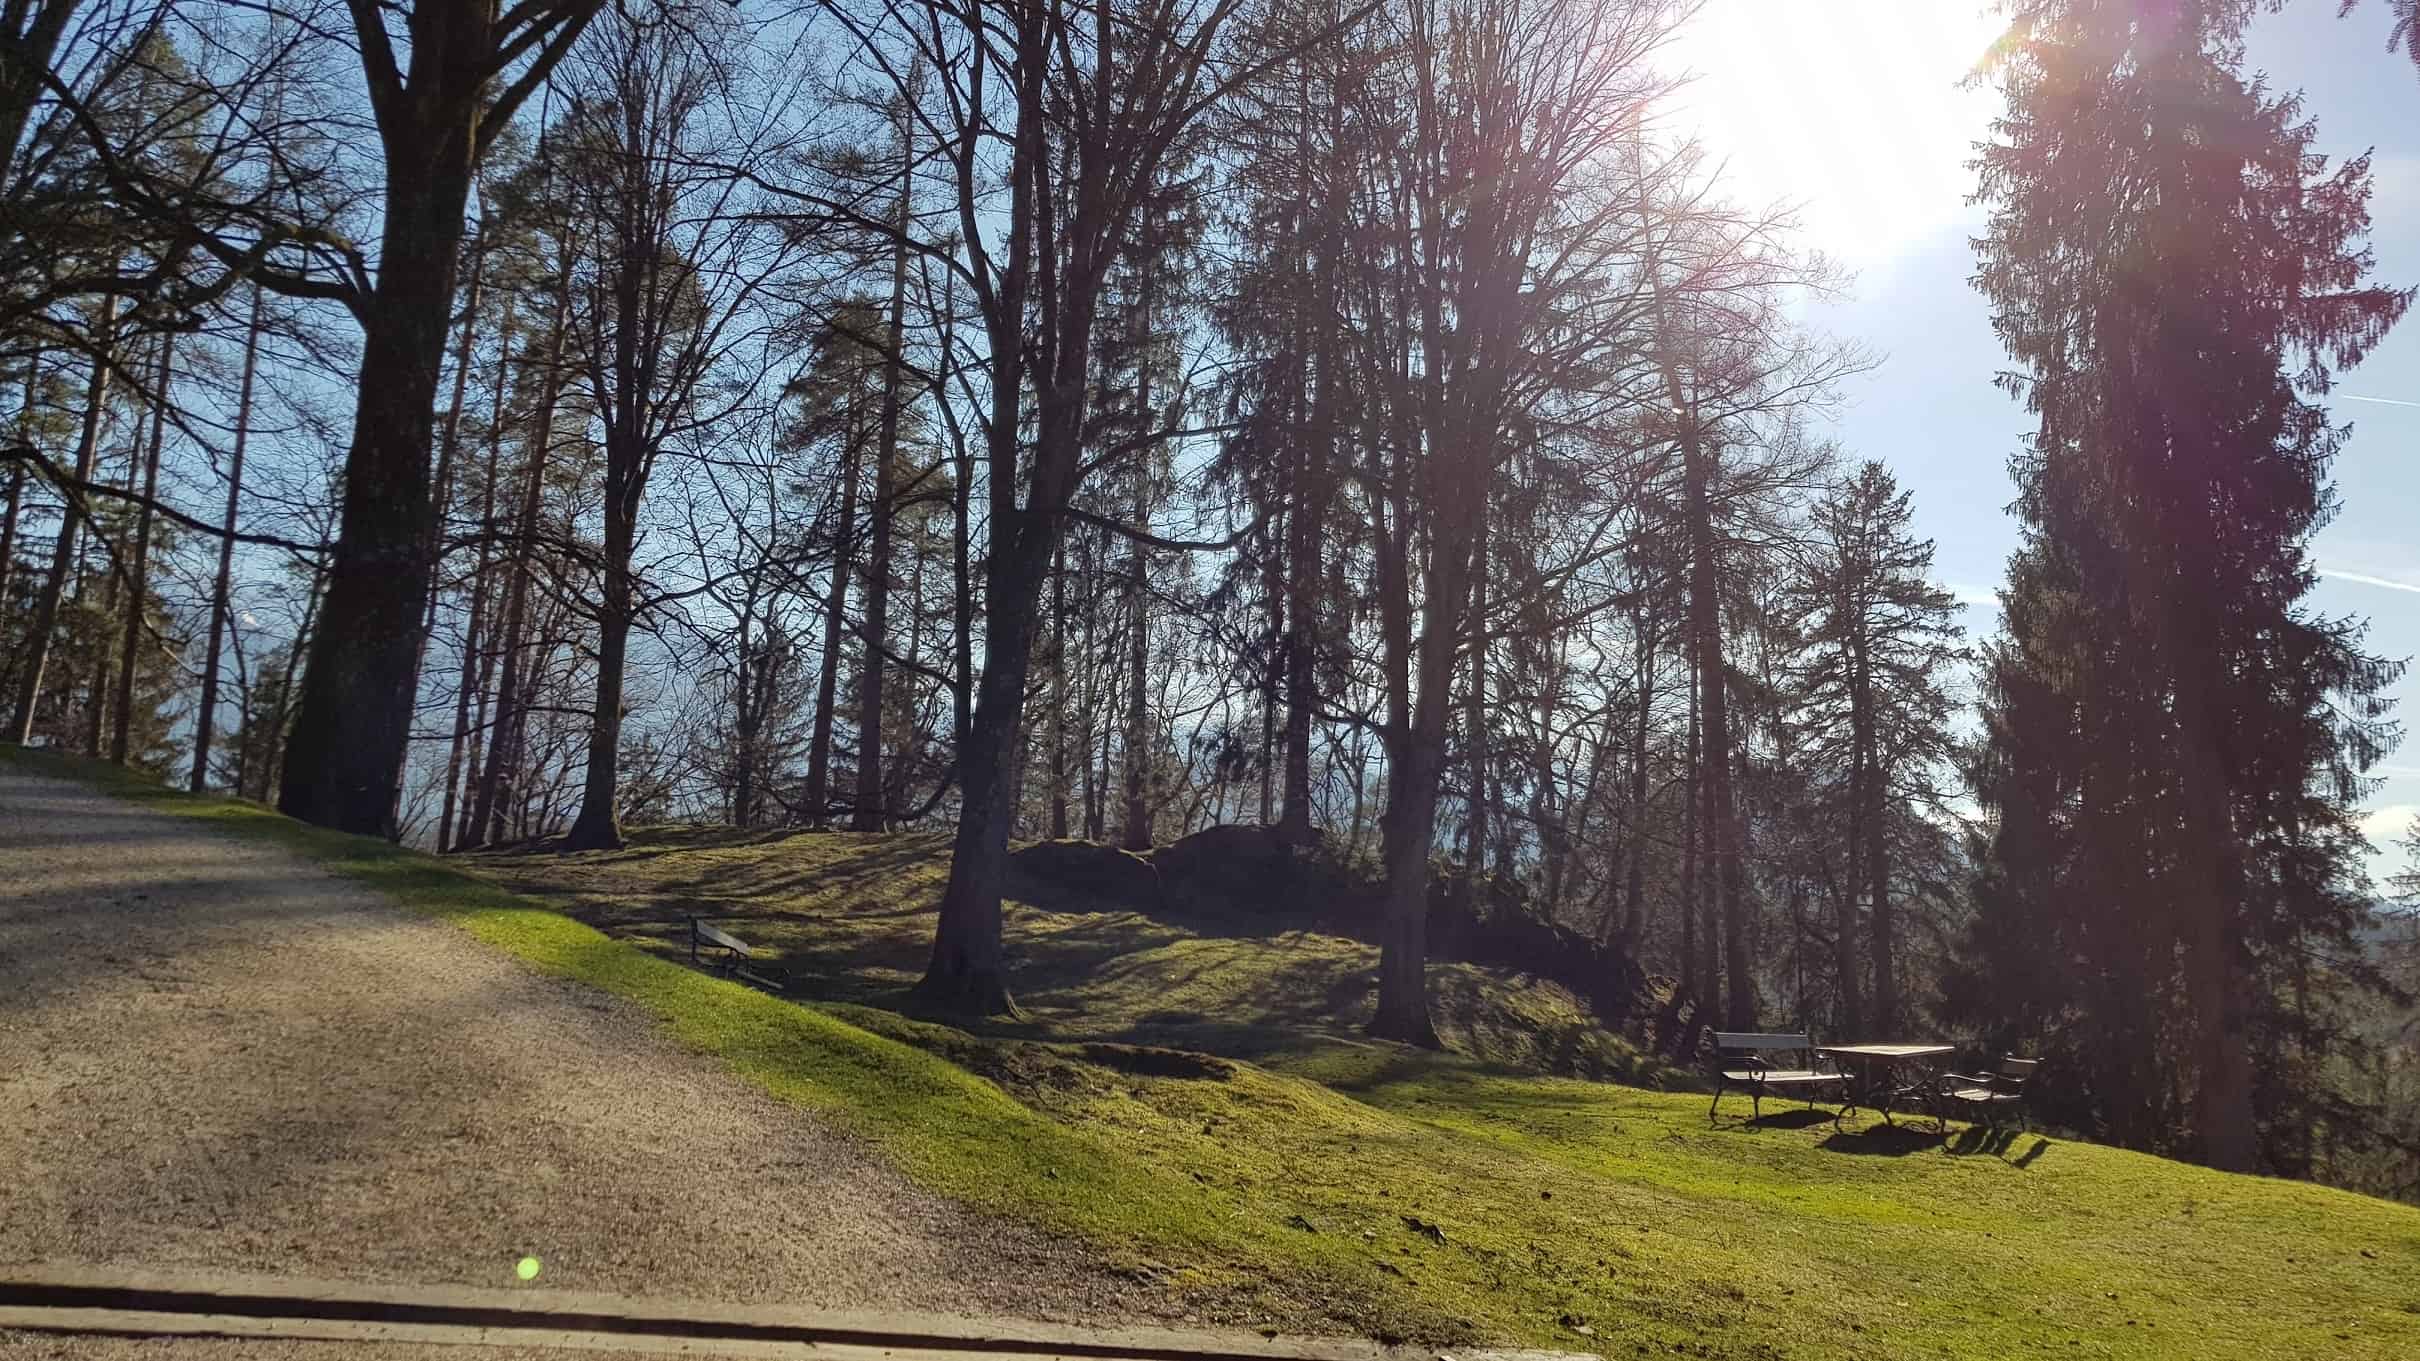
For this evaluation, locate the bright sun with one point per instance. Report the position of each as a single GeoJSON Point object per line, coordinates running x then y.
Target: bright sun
{"type": "Point", "coordinates": [1848, 108]}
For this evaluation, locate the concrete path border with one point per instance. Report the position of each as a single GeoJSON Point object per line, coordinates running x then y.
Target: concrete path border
{"type": "Point", "coordinates": [67, 1298]}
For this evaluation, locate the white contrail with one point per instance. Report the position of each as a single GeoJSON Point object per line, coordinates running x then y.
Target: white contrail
{"type": "Point", "coordinates": [2382, 401]}
{"type": "Point", "coordinates": [2365, 579]}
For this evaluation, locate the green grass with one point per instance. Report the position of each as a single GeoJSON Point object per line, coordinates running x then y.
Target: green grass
{"type": "Point", "coordinates": [1562, 1204]}
{"type": "Point", "coordinates": [1234, 982]}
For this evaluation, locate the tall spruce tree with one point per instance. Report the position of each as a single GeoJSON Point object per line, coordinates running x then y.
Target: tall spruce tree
{"type": "Point", "coordinates": [2174, 739]}
{"type": "Point", "coordinates": [1881, 642]}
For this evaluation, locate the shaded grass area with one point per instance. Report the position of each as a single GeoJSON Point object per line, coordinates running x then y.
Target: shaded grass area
{"type": "Point", "coordinates": [848, 917]}
{"type": "Point", "coordinates": [1440, 1199]}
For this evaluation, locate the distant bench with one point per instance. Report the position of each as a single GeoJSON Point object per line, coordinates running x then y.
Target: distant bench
{"type": "Point", "coordinates": [1988, 1094]}
{"type": "Point", "coordinates": [1740, 1062]}
{"type": "Point", "coordinates": [727, 955]}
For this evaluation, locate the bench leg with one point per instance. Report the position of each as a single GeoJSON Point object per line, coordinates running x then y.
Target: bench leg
{"type": "Point", "coordinates": [1717, 1101]}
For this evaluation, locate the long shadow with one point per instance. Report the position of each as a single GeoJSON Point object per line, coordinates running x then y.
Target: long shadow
{"type": "Point", "coordinates": [1882, 1141]}
{"type": "Point", "coordinates": [1985, 1141]}
{"type": "Point", "coordinates": [1800, 1118]}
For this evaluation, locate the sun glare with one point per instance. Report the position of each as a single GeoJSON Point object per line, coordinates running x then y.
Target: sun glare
{"type": "Point", "coordinates": [1849, 109]}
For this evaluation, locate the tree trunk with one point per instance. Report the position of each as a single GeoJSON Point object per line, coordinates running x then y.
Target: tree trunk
{"type": "Point", "coordinates": [502, 777]}
{"type": "Point", "coordinates": [1880, 926]}
{"type": "Point", "coordinates": [962, 580]}
{"type": "Point", "coordinates": [637, 243]}
{"type": "Point", "coordinates": [345, 756]}
{"type": "Point", "coordinates": [273, 755]}
{"type": "Point", "coordinates": [474, 630]}
{"type": "Point", "coordinates": [474, 639]}
{"type": "Point", "coordinates": [968, 970]}
{"type": "Point", "coordinates": [468, 826]}
{"type": "Point", "coordinates": [1634, 885]}
{"type": "Point", "coordinates": [1722, 823]}
{"type": "Point", "coordinates": [1865, 808]}
{"type": "Point", "coordinates": [8, 526]}
{"type": "Point", "coordinates": [1416, 767]}
{"type": "Point", "coordinates": [598, 827]}
{"type": "Point", "coordinates": [71, 516]}
{"type": "Point", "coordinates": [746, 715]}
{"type": "Point", "coordinates": [1138, 621]}
{"type": "Point", "coordinates": [1272, 690]}
{"type": "Point", "coordinates": [1059, 699]}
{"type": "Point", "coordinates": [871, 813]}
{"type": "Point", "coordinates": [835, 621]}
{"type": "Point", "coordinates": [1419, 720]}
{"type": "Point", "coordinates": [139, 589]}
{"type": "Point", "coordinates": [16, 473]}
{"type": "Point", "coordinates": [1474, 722]}
{"type": "Point", "coordinates": [222, 612]}
{"type": "Point", "coordinates": [962, 608]}
{"type": "Point", "coordinates": [1873, 840]}
{"type": "Point", "coordinates": [2218, 982]}
{"type": "Point", "coordinates": [1694, 979]}
{"type": "Point", "coordinates": [1402, 1012]}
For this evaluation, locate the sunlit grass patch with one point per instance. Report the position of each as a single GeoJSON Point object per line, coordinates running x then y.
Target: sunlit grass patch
{"type": "Point", "coordinates": [1429, 1196]}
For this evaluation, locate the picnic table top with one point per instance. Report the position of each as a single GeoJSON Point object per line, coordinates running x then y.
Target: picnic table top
{"type": "Point", "coordinates": [1887, 1051]}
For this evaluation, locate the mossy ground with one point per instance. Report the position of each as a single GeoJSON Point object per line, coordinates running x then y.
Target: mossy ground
{"type": "Point", "coordinates": [1318, 1170]}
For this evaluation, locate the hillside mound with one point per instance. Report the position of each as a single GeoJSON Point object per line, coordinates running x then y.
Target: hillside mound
{"type": "Point", "coordinates": [1246, 873]}
{"type": "Point", "coordinates": [1222, 944]}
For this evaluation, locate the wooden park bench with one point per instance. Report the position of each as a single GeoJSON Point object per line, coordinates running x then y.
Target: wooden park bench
{"type": "Point", "coordinates": [727, 954]}
{"type": "Point", "coordinates": [1740, 1061]}
{"type": "Point", "coordinates": [1989, 1094]}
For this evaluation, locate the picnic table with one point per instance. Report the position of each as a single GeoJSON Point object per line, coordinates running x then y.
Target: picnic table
{"type": "Point", "coordinates": [1882, 1073]}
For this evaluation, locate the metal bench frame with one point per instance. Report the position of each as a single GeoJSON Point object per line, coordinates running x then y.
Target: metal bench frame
{"type": "Point", "coordinates": [1758, 1077]}
{"type": "Point", "coordinates": [2003, 1087]}
{"type": "Point", "coordinates": [732, 962]}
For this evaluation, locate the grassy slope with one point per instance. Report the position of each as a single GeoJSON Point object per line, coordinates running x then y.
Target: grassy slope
{"type": "Point", "coordinates": [1233, 984]}
{"type": "Point", "coordinates": [1557, 1199]}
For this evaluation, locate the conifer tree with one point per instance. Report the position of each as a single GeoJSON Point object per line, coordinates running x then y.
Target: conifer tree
{"type": "Point", "coordinates": [2175, 738]}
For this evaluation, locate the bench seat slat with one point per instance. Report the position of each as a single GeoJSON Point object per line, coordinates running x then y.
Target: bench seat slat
{"type": "Point", "coordinates": [726, 940]}
{"type": "Point", "coordinates": [1782, 1077]}
{"type": "Point", "coordinates": [1726, 1039]}
{"type": "Point", "coordinates": [1980, 1095]}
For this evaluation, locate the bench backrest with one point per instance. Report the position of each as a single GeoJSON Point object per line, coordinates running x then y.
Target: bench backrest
{"type": "Point", "coordinates": [1750, 1039]}
{"type": "Point", "coordinates": [2014, 1071]}
{"type": "Point", "coordinates": [722, 938]}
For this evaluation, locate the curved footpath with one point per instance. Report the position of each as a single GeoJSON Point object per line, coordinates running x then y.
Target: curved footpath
{"type": "Point", "coordinates": [215, 1056]}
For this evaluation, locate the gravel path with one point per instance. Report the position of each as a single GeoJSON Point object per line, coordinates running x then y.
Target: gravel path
{"type": "Point", "coordinates": [213, 1055]}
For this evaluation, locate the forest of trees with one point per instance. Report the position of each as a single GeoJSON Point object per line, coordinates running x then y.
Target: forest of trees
{"type": "Point", "coordinates": [470, 423]}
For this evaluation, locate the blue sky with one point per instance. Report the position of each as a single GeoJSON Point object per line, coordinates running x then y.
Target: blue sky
{"type": "Point", "coordinates": [1850, 109]}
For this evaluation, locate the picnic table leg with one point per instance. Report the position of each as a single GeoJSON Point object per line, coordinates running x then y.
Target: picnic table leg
{"type": "Point", "coordinates": [1851, 1090]}
{"type": "Point", "coordinates": [1932, 1096]}
{"type": "Point", "coordinates": [1880, 1076]}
